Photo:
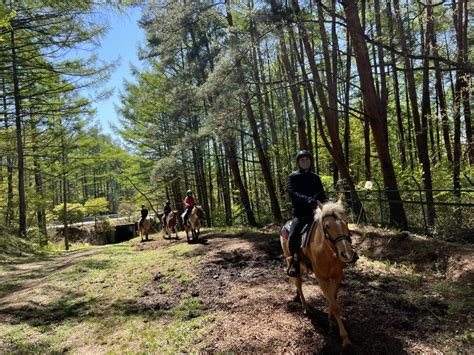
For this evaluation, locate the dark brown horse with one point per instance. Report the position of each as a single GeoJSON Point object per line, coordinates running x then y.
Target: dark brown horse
{"type": "Point", "coordinates": [328, 250]}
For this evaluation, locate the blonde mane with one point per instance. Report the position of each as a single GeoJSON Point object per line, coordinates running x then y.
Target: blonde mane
{"type": "Point", "coordinates": [330, 208]}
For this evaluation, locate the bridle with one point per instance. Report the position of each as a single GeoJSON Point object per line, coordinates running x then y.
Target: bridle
{"type": "Point", "coordinates": [338, 239]}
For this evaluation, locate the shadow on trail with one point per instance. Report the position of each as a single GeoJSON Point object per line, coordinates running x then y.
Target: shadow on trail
{"type": "Point", "coordinates": [378, 311]}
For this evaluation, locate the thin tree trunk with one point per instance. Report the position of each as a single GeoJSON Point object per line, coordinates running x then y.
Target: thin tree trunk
{"type": "Point", "coordinates": [347, 124]}
{"type": "Point", "coordinates": [300, 121]}
{"type": "Point", "coordinates": [335, 147]}
{"type": "Point", "coordinates": [466, 87]}
{"type": "Point", "coordinates": [229, 146]}
{"type": "Point", "coordinates": [64, 190]}
{"type": "Point", "coordinates": [396, 90]}
{"type": "Point", "coordinates": [377, 120]}
{"type": "Point", "coordinates": [40, 213]}
{"type": "Point", "coordinates": [264, 165]}
{"type": "Point", "coordinates": [420, 124]}
{"type": "Point", "coordinates": [19, 141]}
{"type": "Point", "coordinates": [9, 209]}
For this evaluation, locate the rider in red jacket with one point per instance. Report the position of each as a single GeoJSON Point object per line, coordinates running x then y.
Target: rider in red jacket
{"type": "Point", "coordinates": [189, 203]}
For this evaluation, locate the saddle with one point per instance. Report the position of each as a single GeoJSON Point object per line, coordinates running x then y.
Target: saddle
{"type": "Point", "coordinates": [305, 232]}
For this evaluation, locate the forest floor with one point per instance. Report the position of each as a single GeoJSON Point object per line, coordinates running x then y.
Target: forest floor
{"type": "Point", "coordinates": [229, 293]}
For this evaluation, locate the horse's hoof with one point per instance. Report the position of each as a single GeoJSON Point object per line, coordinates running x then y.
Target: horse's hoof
{"type": "Point", "coordinates": [346, 343]}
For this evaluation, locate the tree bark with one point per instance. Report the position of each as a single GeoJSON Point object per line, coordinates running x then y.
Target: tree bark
{"type": "Point", "coordinates": [377, 120]}
{"type": "Point", "coordinates": [19, 141]}
{"type": "Point", "coordinates": [263, 160]}
{"type": "Point", "coordinates": [421, 126]}
{"type": "Point", "coordinates": [9, 210]}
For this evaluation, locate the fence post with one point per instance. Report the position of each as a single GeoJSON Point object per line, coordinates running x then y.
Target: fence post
{"type": "Point", "coordinates": [380, 201]}
{"type": "Point", "coordinates": [421, 203]}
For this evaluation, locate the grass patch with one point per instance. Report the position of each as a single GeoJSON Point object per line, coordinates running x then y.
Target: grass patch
{"type": "Point", "coordinates": [459, 297]}
{"type": "Point", "coordinates": [15, 250]}
{"type": "Point", "coordinates": [93, 305]}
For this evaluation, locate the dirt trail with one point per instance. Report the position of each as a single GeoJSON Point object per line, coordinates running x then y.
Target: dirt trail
{"type": "Point", "coordinates": [391, 299]}
{"type": "Point", "coordinates": [242, 276]}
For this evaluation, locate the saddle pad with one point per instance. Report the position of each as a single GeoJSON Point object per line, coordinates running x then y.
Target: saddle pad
{"type": "Point", "coordinates": [306, 232]}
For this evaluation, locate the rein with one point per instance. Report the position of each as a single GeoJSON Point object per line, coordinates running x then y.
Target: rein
{"type": "Point", "coordinates": [339, 238]}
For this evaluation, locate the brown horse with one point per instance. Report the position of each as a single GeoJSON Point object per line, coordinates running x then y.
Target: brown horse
{"type": "Point", "coordinates": [328, 250]}
{"type": "Point", "coordinates": [169, 225]}
{"type": "Point", "coordinates": [193, 224]}
{"type": "Point", "coordinates": [145, 227]}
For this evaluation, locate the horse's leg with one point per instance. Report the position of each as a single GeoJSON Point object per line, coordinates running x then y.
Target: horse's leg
{"type": "Point", "coordinates": [329, 289]}
{"type": "Point", "coordinates": [299, 289]}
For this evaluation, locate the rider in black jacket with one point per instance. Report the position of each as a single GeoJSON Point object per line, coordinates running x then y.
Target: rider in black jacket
{"type": "Point", "coordinates": [305, 189]}
{"type": "Point", "coordinates": [144, 213]}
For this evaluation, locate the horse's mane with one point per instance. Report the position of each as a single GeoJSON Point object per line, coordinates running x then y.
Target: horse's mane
{"type": "Point", "coordinates": [329, 209]}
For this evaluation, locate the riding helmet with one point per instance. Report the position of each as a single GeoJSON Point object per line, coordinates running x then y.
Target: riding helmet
{"type": "Point", "coordinates": [189, 193]}
{"type": "Point", "coordinates": [304, 153]}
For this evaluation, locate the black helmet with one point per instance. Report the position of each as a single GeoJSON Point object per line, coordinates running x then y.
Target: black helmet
{"type": "Point", "coordinates": [189, 193]}
{"type": "Point", "coordinates": [304, 153]}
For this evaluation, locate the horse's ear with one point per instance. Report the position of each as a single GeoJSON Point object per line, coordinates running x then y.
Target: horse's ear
{"type": "Point", "coordinates": [340, 199]}
{"type": "Point", "coordinates": [320, 205]}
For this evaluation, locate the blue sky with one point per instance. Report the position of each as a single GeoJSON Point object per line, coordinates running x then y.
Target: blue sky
{"type": "Point", "coordinates": [121, 42]}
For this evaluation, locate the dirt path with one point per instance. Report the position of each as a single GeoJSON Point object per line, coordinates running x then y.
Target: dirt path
{"type": "Point", "coordinates": [405, 295]}
{"type": "Point", "coordinates": [386, 310]}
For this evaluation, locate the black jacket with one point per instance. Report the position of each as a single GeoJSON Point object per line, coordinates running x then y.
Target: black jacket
{"type": "Point", "coordinates": [304, 190]}
{"type": "Point", "coordinates": [166, 209]}
{"type": "Point", "coordinates": [144, 213]}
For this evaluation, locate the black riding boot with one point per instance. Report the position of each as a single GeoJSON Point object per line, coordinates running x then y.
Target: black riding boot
{"type": "Point", "coordinates": [294, 244]}
{"type": "Point", "coordinates": [294, 268]}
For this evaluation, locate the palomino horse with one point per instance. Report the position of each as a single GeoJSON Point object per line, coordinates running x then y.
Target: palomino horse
{"type": "Point", "coordinates": [193, 224]}
{"type": "Point", "coordinates": [169, 225]}
{"type": "Point", "coordinates": [328, 250]}
{"type": "Point", "coordinates": [145, 227]}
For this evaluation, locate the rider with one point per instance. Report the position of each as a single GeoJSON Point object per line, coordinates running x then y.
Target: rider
{"type": "Point", "coordinates": [144, 213]}
{"type": "Point", "coordinates": [166, 210]}
{"type": "Point", "coordinates": [305, 189]}
{"type": "Point", "coordinates": [189, 203]}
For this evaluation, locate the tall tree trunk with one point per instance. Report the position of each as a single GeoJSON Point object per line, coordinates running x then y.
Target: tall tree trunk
{"type": "Point", "coordinates": [64, 189]}
{"type": "Point", "coordinates": [347, 124]}
{"type": "Point", "coordinates": [421, 125]}
{"type": "Point", "coordinates": [396, 90]}
{"type": "Point", "coordinates": [466, 85]}
{"type": "Point", "coordinates": [300, 121]}
{"type": "Point", "coordinates": [9, 210]}
{"type": "Point", "coordinates": [335, 147]}
{"type": "Point", "coordinates": [425, 114]}
{"type": "Point", "coordinates": [40, 213]}
{"type": "Point", "coordinates": [19, 141]}
{"type": "Point", "coordinates": [229, 146]}
{"type": "Point", "coordinates": [264, 165]}
{"type": "Point", "coordinates": [377, 120]}
{"type": "Point", "coordinates": [458, 93]}
{"type": "Point", "coordinates": [224, 186]}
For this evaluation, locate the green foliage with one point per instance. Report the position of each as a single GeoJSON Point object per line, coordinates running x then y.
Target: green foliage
{"type": "Point", "coordinates": [127, 209]}
{"type": "Point", "coordinates": [75, 212]}
{"type": "Point", "coordinates": [96, 206]}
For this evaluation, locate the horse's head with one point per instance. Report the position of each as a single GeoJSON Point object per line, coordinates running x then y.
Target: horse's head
{"type": "Point", "coordinates": [332, 218]}
{"type": "Point", "coordinates": [198, 211]}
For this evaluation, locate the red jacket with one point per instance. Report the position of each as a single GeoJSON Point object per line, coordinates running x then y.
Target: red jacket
{"type": "Point", "coordinates": [189, 201]}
